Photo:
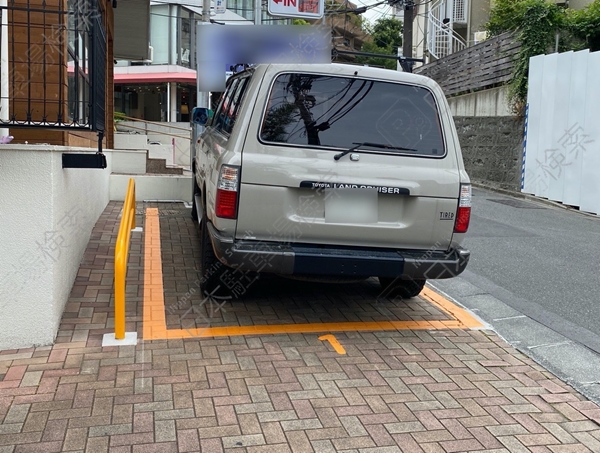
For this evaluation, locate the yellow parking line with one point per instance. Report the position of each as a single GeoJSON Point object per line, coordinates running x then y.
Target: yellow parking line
{"type": "Point", "coordinates": [334, 343]}
{"type": "Point", "coordinates": [461, 315]}
{"type": "Point", "coordinates": [155, 323]}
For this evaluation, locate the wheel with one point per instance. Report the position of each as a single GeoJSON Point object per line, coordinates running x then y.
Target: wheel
{"type": "Point", "coordinates": [194, 205]}
{"type": "Point", "coordinates": [210, 267]}
{"type": "Point", "coordinates": [404, 288]}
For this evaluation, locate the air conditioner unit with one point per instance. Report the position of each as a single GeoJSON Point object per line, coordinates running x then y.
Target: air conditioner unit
{"type": "Point", "coordinates": [479, 36]}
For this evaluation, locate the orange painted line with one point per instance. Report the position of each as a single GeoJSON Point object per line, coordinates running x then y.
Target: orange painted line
{"type": "Point", "coordinates": [155, 324]}
{"type": "Point", "coordinates": [461, 315]}
{"type": "Point", "coordinates": [333, 342]}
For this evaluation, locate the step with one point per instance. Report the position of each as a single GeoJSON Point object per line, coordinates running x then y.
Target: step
{"type": "Point", "coordinates": [129, 161]}
{"type": "Point", "coordinates": [131, 141]}
{"type": "Point", "coordinates": [159, 166]}
{"type": "Point", "coordinates": [152, 187]}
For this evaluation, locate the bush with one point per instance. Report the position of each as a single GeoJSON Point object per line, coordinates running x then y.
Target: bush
{"type": "Point", "coordinates": [537, 23]}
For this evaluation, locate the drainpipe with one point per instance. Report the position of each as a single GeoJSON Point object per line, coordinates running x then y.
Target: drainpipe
{"type": "Point", "coordinates": [4, 72]}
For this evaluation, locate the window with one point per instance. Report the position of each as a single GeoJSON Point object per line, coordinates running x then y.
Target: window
{"type": "Point", "coordinates": [230, 105]}
{"type": "Point", "coordinates": [340, 112]}
{"type": "Point", "coordinates": [186, 40]}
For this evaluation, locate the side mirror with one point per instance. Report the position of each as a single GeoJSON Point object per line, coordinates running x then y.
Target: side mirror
{"type": "Point", "coordinates": [201, 115]}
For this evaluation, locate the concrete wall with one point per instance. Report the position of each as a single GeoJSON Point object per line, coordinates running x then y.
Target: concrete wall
{"type": "Point", "coordinates": [492, 149]}
{"type": "Point", "coordinates": [175, 135]}
{"type": "Point", "coordinates": [153, 187]}
{"type": "Point", "coordinates": [47, 217]}
{"type": "Point", "coordinates": [491, 102]}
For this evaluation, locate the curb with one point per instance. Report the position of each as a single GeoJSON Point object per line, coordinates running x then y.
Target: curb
{"type": "Point", "coordinates": [533, 198]}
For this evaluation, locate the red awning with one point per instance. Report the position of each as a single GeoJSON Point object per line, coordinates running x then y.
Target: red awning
{"type": "Point", "coordinates": [157, 77]}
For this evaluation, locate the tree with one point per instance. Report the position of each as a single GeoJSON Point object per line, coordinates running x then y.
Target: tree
{"type": "Point", "coordinates": [536, 24]}
{"type": "Point", "coordinates": [585, 24]}
{"type": "Point", "coordinates": [386, 37]}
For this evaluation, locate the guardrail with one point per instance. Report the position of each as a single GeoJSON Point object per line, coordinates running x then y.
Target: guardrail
{"type": "Point", "coordinates": [121, 258]}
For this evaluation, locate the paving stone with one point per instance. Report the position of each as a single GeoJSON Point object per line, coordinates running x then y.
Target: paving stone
{"type": "Point", "coordinates": [411, 391]}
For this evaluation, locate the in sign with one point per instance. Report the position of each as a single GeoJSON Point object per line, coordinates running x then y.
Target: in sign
{"type": "Point", "coordinates": [309, 9]}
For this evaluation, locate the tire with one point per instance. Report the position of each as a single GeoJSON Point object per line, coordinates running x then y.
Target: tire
{"type": "Point", "coordinates": [404, 288]}
{"type": "Point", "coordinates": [194, 207]}
{"type": "Point", "coordinates": [210, 267]}
{"type": "Point", "coordinates": [219, 281]}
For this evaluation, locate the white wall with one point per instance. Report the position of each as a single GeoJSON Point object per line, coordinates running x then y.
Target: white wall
{"type": "Point", "coordinates": [491, 102]}
{"type": "Point", "coordinates": [153, 187]}
{"type": "Point", "coordinates": [561, 160]}
{"type": "Point", "coordinates": [47, 217]}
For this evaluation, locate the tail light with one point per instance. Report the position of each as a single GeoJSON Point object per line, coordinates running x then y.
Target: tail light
{"type": "Point", "coordinates": [463, 216]}
{"type": "Point", "coordinates": [227, 192]}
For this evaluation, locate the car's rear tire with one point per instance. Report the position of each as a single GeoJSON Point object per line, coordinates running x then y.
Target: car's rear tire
{"type": "Point", "coordinates": [210, 267]}
{"type": "Point", "coordinates": [194, 206]}
{"type": "Point", "coordinates": [404, 288]}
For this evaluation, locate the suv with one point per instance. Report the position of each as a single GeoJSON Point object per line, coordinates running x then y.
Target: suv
{"type": "Point", "coordinates": [332, 172]}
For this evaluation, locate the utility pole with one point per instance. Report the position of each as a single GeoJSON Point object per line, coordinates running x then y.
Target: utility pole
{"type": "Point", "coordinates": [202, 97]}
{"type": "Point", "coordinates": [257, 12]}
{"type": "Point", "coordinates": [407, 37]}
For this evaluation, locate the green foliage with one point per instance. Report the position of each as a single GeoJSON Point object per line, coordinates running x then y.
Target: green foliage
{"type": "Point", "coordinates": [118, 117]}
{"type": "Point", "coordinates": [300, 22]}
{"type": "Point", "coordinates": [585, 24]}
{"type": "Point", "coordinates": [537, 23]}
{"type": "Point", "coordinates": [386, 36]}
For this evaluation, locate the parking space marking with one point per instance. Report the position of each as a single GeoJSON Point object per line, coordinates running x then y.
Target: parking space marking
{"type": "Point", "coordinates": [155, 323]}
{"type": "Point", "coordinates": [334, 343]}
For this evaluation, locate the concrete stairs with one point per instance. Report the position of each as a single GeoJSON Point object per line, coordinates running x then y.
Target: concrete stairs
{"type": "Point", "coordinates": [151, 165]}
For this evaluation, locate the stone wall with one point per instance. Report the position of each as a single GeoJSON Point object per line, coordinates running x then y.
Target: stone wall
{"type": "Point", "coordinates": [492, 149]}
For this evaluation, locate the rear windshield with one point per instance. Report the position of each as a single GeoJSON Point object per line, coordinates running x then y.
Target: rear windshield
{"type": "Point", "coordinates": [342, 112]}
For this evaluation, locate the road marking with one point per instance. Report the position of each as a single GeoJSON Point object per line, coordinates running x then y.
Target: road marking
{"type": "Point", "coordinates": [334, 342]}
{"type": "Point", "coordinates": [461, 315]}
{"type": "Point", "coordinates": [155, 323]}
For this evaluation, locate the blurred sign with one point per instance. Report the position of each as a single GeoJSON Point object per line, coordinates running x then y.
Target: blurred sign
{"type": "Point", "coordinates": [301, 9]}
{"type": "Point", "coordinates": [219, 6]}
{"type": "Point", "coordinates": [218, 45]}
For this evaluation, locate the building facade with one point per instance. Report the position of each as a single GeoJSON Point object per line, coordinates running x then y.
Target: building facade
{"type": "Point", "coordinates": [442, 27]}
{"type": "Point", "coordinates": [57, 68]}
{"type": "Point", "coordinates": [162, 87]}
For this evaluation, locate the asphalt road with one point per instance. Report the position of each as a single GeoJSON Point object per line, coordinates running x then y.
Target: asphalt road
{"type": "Point", "coordinates": [534, 277]}
{"type": "Point", "coordinates": [541, 260]}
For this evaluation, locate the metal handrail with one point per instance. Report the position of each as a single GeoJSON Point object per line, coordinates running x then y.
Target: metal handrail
{"type": "Point", "coordinates": [157, 132]}
{"type": "Point", "coordinates": [128, 118]}
{"type": "Point", "coordinates": [121, 258]}
{"type": "Point", "coordinates": [443, 39]}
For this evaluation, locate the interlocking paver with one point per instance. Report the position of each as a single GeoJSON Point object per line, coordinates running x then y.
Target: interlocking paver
{"type": "Point", "coordinates": [395, 391]}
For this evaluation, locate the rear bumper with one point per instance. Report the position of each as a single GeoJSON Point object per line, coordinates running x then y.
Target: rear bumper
{"type": "Point", "coordinates": [289, 259]}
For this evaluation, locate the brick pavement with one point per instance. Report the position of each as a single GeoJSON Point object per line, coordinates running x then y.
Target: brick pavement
{"type": "Point", "coordinates": [399, 391]}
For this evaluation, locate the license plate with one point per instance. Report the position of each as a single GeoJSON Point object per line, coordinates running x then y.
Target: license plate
{"type": "Point", "coordinates": [351, 206]}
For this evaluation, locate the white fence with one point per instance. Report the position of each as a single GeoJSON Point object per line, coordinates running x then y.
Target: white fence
{"type": "Point", "coordinates": [561, 156]}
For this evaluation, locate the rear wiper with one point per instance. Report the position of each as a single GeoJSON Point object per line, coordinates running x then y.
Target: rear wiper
{"type": "Point", "coordinates": [374, 145]}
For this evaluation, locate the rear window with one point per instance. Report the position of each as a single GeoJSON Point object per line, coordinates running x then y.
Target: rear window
{"type": "Point", "coordinates": [341, 112]}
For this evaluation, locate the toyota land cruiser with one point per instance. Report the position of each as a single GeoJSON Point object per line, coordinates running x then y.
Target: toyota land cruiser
{"type": "Point", "coordinates": [332, 171]}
